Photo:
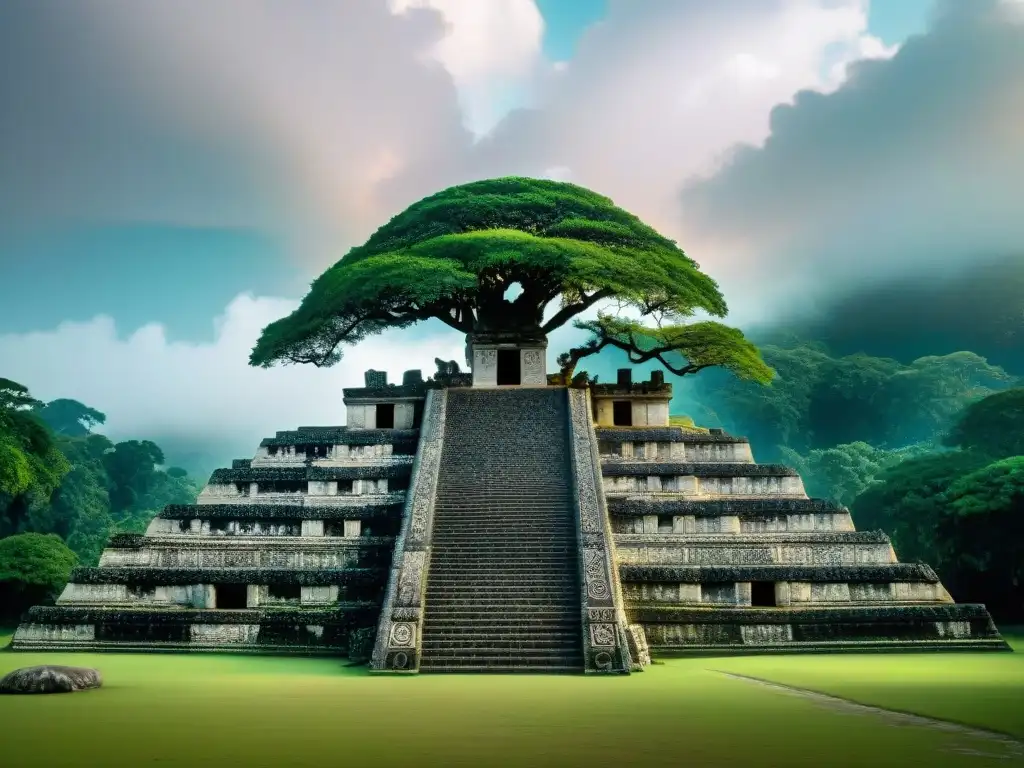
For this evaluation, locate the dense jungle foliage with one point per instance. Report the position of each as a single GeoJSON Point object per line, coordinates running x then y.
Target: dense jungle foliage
{"type": "Point", "coordinates": [64, 490]}
{"type": "Point", "coordinates": [931, 451]}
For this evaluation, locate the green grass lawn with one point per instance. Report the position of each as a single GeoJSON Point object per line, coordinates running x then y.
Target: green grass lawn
{"type": "Point", "coordinates": [188, 710]}
{"type": "Point", "coordinates": [979, 689]}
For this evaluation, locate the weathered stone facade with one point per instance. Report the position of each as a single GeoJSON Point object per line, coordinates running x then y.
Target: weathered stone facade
{"type": "Point", "coordinates": [671, 540]}
{"type": "Point", "coordinates": [716, 552]}
{"type": "Point", "coordinates": [286, 552]}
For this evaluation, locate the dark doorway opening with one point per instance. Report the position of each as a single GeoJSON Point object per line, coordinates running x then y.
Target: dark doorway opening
{"type": "Point", "coordinates": [509, 367]}
{"type": "Point", "coordinates": [622, 413]}
{"type": "Point", "coordinates": [230, 597]}
{"type": "Point", "coordinates": [762, 594]}
{"type": "Point", "coordinates": [385, 416]}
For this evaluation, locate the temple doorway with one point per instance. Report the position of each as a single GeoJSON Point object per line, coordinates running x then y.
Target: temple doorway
{"type": "Point", "coordinates": [762, 594]}
{"type": "Point", "coordinates": [622, 413]}
{"type": "Point", "coordinates": [510, 371]}
{"type": "Point", "coordinates": [385, 416]}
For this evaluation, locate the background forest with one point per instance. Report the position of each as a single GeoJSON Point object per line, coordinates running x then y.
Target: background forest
{"type": "Point", "coordinates": [65, 489]}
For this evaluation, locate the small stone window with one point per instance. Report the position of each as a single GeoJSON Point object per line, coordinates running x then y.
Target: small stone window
{"type": "Point", "coordinates": [762, 594]}
{"type": "Point", "coordinates": [385, 416]}
{"type": "Point", "coordinates": [230, 597]}
{"type": "Point", "coordinates": [664, 523]}
{"type": "Point", "coordinates": [622, 413]}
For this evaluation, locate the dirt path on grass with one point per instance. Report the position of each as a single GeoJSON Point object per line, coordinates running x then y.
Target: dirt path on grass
{"type": "Point", "coordinates": [1003, 746]}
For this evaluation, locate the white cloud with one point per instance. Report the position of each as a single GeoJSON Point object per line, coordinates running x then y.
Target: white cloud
{"type": "Point", "coordinates": [492, 50]}
{"type": "Point", "coordinates": [661, 90]}
{"type": "Point", "coordinates": [913, 167]}
{"type": "Point", "coordinates": [149, 386]}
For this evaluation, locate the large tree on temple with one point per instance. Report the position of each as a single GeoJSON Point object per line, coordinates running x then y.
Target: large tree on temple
{"type": "Point", "coordinates": [454, 256]}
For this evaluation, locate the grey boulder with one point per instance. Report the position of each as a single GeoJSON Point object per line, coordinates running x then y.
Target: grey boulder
{"type": "Point", "coordinates": [50, 679]}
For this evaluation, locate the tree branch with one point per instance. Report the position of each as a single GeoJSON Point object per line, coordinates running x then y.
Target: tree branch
{"type": "Point", "coordinates": [569, 311]}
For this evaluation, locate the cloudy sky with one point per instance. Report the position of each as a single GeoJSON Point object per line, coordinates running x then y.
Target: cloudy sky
{"type": "Point", "coordinates": [172, 176]}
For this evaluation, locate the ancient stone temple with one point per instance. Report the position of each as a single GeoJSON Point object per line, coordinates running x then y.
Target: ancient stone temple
{"type": "Point", "coordinates": [492, 522]}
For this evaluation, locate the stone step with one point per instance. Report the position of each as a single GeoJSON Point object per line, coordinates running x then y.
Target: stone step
{"type": "Point", "coordinates": [466, 668]}
{"type": "Point", "coordinates": [475, 587]}
{"type": "Point", "coordinates": [515, 619]}
{"type": "Point", "coordinates": [481, 580]}
{"type": "Point", "coordinates": [449, 628]}
{"type": "Point", "coordinates": [549, 561]}
{"type": "Point", "coordinates": [549, 503]}
{"type": "Point", "coordinates": [466, 542]}
{"type": "Point", "coordinates": [565, 652]}
{"type": "Point", "coordinates": [525, 580]}
{"type": "Point", "coordinates": [566, 638]}
{"type": "Point", "coordinates": [446, 603]}
{"type": "Point", "coordinates": [510, 533]}
{"type": "Point", "coordinates": [483, 546]}
{"type": "Point", "coordinates": [490, 513]}
{"type": "Point", "coordinates": [554, 565]}
{"type": "Point", "coordinates": [496, 602]}
{"type": "Point", "coordinates": [512, 661]}
{"type": "Point", "coordinates": [521, 489]}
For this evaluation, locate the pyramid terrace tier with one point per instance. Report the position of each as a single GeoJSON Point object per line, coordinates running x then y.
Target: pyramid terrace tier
{"type": "Point", "coordinates": [670, 444]}
{"type": "Point", "coordinates": [305, 631]}
{"type": "Point", "coordinates": [335, 445]}
{"type": "Point", "coordinates": [277, 484]}
{"type": "Point", "coordinates": [699, 574]}
{"type": "Point", "coordinates": [781, 585]}
{"type": "Point", "coordinates": [308, 577]}
{"type": "Point", "coordinates": [702, 479]}
{"type": "Point", "coordinates": [688, 630]}
{"type": "Point", "coordinates": [135, 550]}
{"type": "Point", "coordinates": [651, 514]}
{"type": "Point", "coordinates": [817, 549]}
{"type": "Point", "coordinates": [359, 509]}
{"type": "Point", "coordinates": [312, 472]}
{"type": "Point", "coordinates": [280, 520]}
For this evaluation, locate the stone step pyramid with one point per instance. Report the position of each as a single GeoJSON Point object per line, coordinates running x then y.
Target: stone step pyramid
{"type": "Point", "coordinates": [457, 528]}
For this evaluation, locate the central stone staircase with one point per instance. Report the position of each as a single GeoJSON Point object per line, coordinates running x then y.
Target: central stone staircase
{"type": "Point", "coordinates": [503, 593]}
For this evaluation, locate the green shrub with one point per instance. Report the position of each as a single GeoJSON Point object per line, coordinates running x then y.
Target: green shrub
{"type": "Point", "coordinates": [34, 568]}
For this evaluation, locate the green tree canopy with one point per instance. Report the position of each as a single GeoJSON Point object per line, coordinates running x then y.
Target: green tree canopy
{"type": "Point", "coordinates": [455, 255]}
{"type": "Point", "coordinates": [34, 568]}
{"type": "Point", "coordinates": [993, 426]}
{"type": "Point", "coordinates": [998, 487]}
{"type": "Point", "coordinates": [910, 504]}
{"type": "Point", "coordinates": [132, 469]}
{"type": "Point", "coordinates": [987, 507]}
{"type": "Point", "coordinates": [843, 472]}
{"type": "Point", "coordinates": [70, 417]}
{"type": "Point", "coordinates": [31, 466]}
{"type": "Point", "coordinates": [818, 400]}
